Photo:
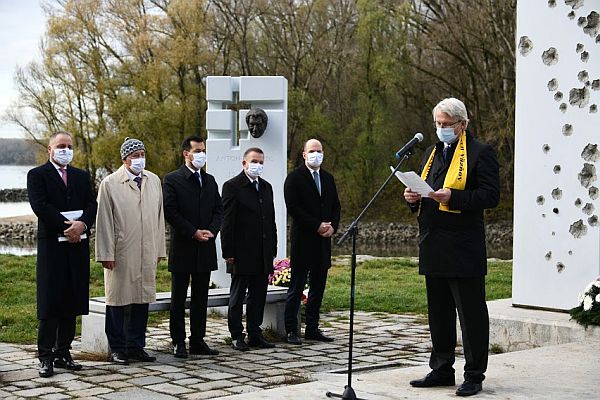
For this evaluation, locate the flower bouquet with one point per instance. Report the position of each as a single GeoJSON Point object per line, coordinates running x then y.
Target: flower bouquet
{"type": "Point", "coordinates": [588, 310]}
{"type": "Point", "coordinates": [282, 276]}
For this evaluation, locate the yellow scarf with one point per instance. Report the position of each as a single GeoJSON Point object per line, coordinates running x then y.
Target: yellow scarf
{"type": "Point", "coordinates": [456, 177]}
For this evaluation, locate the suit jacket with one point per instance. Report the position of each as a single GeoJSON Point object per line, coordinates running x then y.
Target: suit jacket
{"type": "Point", "coordinates": [451, 244]}
{"type": "Point", "coordinates": [188, 207]}
{"type": "Point", "coordinates": [63, 269]}
{"type": "Point", "coordinates": [249, 233]}
{"type": "Point", "coordinates": [308, 209]}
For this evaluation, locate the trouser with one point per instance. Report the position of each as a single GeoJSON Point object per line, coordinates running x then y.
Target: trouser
{"type": "Point", "coordinates": [317, 279]}
{"type": "Point", "coordinates": [125, 327]}
{"type": "Point", "coordinates": [445, 296]}
{"type": "Point", "coordinates": [199, 300]}
{"type": "Point", "coordinates": [255, 303]}
{"type": "Point", "coordinates": [55, 336]}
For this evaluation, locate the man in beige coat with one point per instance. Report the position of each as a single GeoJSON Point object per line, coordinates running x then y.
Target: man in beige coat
{"type": "Point", "coordinates": [130, 240]}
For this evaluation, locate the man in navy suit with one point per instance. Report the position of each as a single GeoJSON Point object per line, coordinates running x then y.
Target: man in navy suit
{"type": "Point", "coordinates": [63, 252]}
{"type": "Point", "coordinates": [312, 201]}
{"type": "Point", "coordinates": [194, 210]}
{"type": "Point", "coordinates": [249, 244]}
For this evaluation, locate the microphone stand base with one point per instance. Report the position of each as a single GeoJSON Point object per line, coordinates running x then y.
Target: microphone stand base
{"type": "Point", "coordinates": [347, 395]}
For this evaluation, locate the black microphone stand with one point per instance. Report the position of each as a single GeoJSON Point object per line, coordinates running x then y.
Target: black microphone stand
{"type": "Point", "coordinates": [353, 230]}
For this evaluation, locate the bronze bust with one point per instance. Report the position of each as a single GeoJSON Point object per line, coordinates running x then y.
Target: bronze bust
{"type": "Point", "coordinates": [256, 119]}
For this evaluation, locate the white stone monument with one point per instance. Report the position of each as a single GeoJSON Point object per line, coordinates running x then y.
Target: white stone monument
{"type": "Point", "coordinates": [556, 236]}
{"type": "Point", "coordinates": [229, 100]}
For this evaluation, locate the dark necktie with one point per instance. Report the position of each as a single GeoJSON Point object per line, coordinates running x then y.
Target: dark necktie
{"type": "Point", "coordinates": [445, 152]}
{"type": "Point", "coordinates": [63, 175]}
{"type": "Point", "coordinates": [256, 185]}
{"type": "Point", "coordinates": [317, 181]}
{"type": "Point", "coordinates": [138, 181]}
{"type": "Point", "coordinates": [197, 175]}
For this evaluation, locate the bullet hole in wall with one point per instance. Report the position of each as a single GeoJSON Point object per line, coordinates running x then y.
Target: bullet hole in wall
{"type": "Point", "coordinates": [546, 148]}
{"type": "Point", "coordinates": [555, 210]}
{"type": "Point", "coordinates": [579, 48]}
{"type": "Point", "coordinates": [593, 109]}
{"type": "Point", "coordinates": [556, 169]}
{"type": "Point", "coordinates": [592, 24]}
{"type": "Point", "coordinates": [550, 56]}
{"type": "Point", "coordinates": [552, 84]}
{"type": "Point", "coordinates": [577, 203]}
{"type": "Point", "coordinates": [579, 97]}
{"type": "Point", "coordinates": [593, 220]}
{"type": "Point", "coordinates": [560, 267]}
{"type": "Point", "coordinates": [567, 129]}
{"type": "Point", "coordinates": [583, 76]}
{"type": "Point", "coordinates": [575, 4]}
{"type": "Point", "coordinates": [590, 153]}
{"type": "Point", "coordinates": [593, 192]}
{"type": "Point", "coordinates": [581, 21]}
{"type": "Point", "coordinates": [540, 200]}
{"type": "Point", "coordinates": [570, 252]}
{"type": "Point", "coordinates": [588, 209]}
{"type": "Point", "coordinates": [596, 84]}
{"type": "Point", "coordinates": [571, 15]}
{"type": "Point", "coordinates": [578, 229]}
{"type": "Point", "coordinates": [525, 46]}
{"type": "Point", "coordinates": [557, 194]}
{"type": "Point", "coordinates": [563, 108]}
{"type": "Point", "coordinates": [558, 96]}
{"type": "Point", "coordinates": [585, 56]}
{"type": "Point", "coordinates": [587, 175]}
{"type": "Point", "coordinates": [548, 256]}
{"type": "Point", "coordinates": [543, 215]}
{"type": "Point", "coordinates": [551, 3]}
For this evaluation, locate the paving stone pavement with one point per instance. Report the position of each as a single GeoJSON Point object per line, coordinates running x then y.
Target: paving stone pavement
{"type": "Point", "coordinates": [380, 341]}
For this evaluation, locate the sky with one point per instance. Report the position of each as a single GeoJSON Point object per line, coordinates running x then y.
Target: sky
{"type": "Point", "coordinates": [22, 24]}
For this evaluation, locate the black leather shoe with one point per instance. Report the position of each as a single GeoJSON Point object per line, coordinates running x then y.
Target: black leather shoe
{"type": "Point", "coordinates": [141, 355]}
{"type": "Point", "coordinates": [468, 389]}
{"type": "Point", "coordinates": [240, 344]}
{"type": "Point", "coordinates": [316, 334]}
{"type": "Point", "coordinates": [292, 338]}
{"type": "Point", "coordinates": [432, 380]}
{"type": "Point", "coordinates": [201, 348]}
{"type": "Point", "coordinates": [179, 350]}
{"type": "Point", "coordinates": [46, 369]}
{"type": "Point", "coordinates": [260, 342]}
{"type": "Point", "coordinates": [67, 362]}
{"type": "Point", "coordinates": [119, 358]}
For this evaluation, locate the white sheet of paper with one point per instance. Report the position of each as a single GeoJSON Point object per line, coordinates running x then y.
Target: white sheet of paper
{"type": "Point", "coordinates": [413, 181]}
{"type": "Point", "coordinates": [72, 216]}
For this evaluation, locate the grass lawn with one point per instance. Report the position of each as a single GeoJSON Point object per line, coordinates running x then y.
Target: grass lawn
{"type": "Point", "coordinates": [395, 286]}
{"type": "Point", "coordinates": [392, 286]}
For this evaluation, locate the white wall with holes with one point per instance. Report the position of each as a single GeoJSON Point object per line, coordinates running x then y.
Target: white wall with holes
{"type": "Point", "coordinates": [556, 248]}
{"type": "Point", "coordinates": [229, 99]}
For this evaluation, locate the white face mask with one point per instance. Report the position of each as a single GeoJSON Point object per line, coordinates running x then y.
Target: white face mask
{"type": "Point", "coordinates": [314, 159]}
{"type": "Point", "coordinates": [255, 170]}
{"type": "Point", "coordinates": [62, 156]}
{"type": "Point", "coordinates": [446, 135]}
{"type": "Point", "coordinates": [137, 165]}
{"type": "Point", "coordinates": [199, 160]}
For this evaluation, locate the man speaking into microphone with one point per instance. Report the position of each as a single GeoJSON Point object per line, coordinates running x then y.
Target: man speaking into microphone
{"type": "Point", "coordinates": [464, 175]}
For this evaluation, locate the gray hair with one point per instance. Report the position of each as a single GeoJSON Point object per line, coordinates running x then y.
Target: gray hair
{"type": "Point", "coordinates": [453, 107]}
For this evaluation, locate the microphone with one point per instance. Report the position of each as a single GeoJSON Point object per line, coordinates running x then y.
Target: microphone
{"type": "Point", "coordinates": [416, 139]}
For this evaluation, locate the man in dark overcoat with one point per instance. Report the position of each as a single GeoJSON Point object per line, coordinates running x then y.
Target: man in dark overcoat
{"type": "Point", "coordinates": [248, 244]}
{"type": "Point", "coordinates": [194, 210]}
{"type": "Point", "coordinates": [63, 252]}
{"type": "Point", "coordinates": [464, 174]}
{"type": "Point", "coordinates": [312, 201]}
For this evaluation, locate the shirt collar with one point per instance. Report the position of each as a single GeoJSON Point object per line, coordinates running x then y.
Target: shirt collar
{"type": "Point", "coordinates": [311, 169]}
{"type": "Point", "coordinates": [249, 177]}
{"type": "Point", "coordinates": [56, 165]}
{"type": "Point", "coordinates": [130, 175]}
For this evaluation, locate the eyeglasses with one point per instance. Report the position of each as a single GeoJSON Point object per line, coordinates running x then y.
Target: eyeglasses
{"type": "Point", "coordinates": [439, 125]}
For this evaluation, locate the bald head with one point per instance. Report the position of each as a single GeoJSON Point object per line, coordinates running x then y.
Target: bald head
{"type": "Point", "coordinates": [312, 144]}
{"type": "Point", "coordinates": [313, 153]}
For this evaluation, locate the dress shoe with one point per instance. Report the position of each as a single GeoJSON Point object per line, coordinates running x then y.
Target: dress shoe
{"type": "Point", "coordinates": [316, 334]}
{"type": "Point", "coordinates": [240, 344]}
{"type": "Point", "coordinates": [46, 369]}
{"type": "Point", "coordinates": [179, 350]}
{"type": "Point", "coordinates": [292, 338]}
{"type": "Point", "coordinates": [141, 355]}
{"type": "Point", "coordinates": [67, 362]}
{"type": "Point", "coordinates": [119, 358]}
{"type": "Point", "coordinates": [260, 342]}
{"type": "Point", "coordinates": [468, 389]}
{"type": "Point", "coordinates": [201, 348]}
{"type": "Point", "coordinates": [432, 380]}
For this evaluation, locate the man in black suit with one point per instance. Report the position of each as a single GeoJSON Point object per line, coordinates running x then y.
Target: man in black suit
{"type": "Point", "coordinates": [464, 173]}
{"type": "Point", "coordinates": [249, 244]}
{"type": "Point", "coordinates": [312, 200]}
{"type": "Point", "coordinates": [194, 210]}
{"type": "Point", "coordinates": [63, 251]}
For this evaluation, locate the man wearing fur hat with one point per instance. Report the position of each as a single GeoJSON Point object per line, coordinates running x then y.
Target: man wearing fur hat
{"type": "Point", "coordinates": [130, 240]}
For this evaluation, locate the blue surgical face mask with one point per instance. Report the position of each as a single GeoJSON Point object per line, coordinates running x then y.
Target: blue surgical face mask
{"type": "Point", "coordinates": [446, 135]}
{"type": "Point", "coordinates": [255, 170]}
{"type": "Point", "coordinates": [137, 165]}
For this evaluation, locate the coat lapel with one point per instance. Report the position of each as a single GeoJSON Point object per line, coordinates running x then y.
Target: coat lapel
{"type": "Point", "coordinates": [310, 180]}
{"type": "Point", "coordinates": [53, 176]}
